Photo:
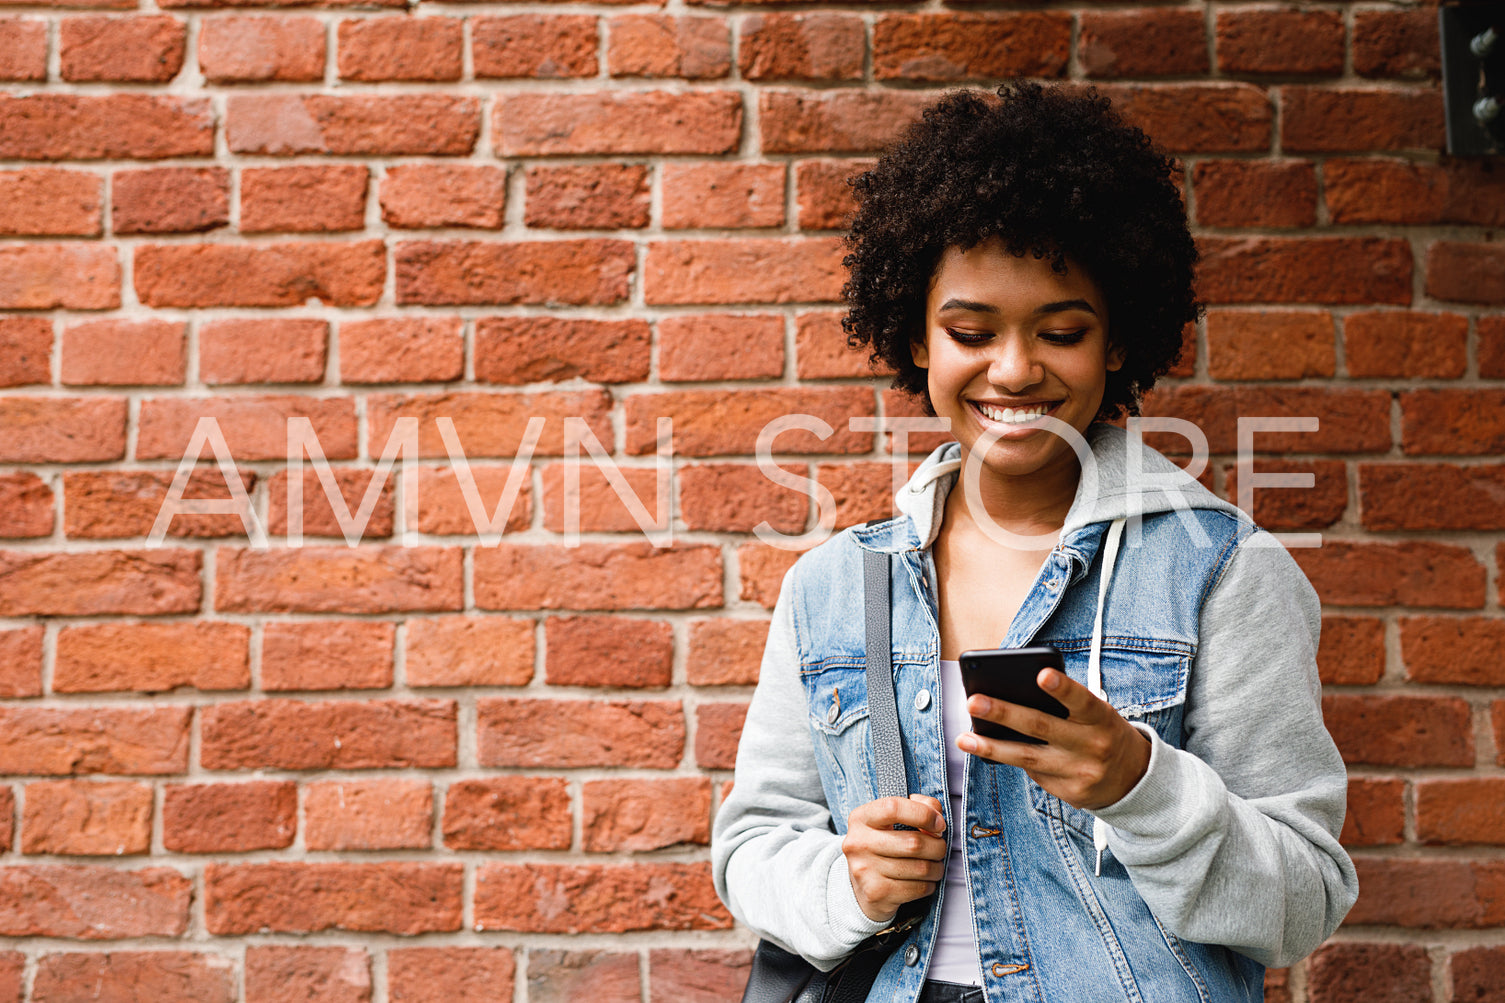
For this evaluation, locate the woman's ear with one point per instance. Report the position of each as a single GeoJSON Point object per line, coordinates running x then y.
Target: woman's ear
{"type": "Point", "coordinates": [920, 353]}
{"type": "Point", "coordinates": [1115, 358]}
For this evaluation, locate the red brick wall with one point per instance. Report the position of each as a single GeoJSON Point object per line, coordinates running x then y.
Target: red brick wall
{"type": "Point", "coordinates": [234, 774]}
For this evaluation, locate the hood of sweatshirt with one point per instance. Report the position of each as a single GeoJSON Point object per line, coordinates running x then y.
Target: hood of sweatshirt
{"type": "Point", "coordinates": [1126, 479]}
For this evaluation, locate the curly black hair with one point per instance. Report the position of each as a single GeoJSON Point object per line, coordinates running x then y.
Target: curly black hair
{"type": "Point", "coordinates": [1055, 172]}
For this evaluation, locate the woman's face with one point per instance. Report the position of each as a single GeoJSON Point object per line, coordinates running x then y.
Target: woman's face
{"type": "Point", "coordinates": [1008, 340]}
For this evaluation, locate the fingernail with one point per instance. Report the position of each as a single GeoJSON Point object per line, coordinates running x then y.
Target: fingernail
{"type": "Point", "coordinates": [967, 743]}
{"type": "Point", "coordinates": [1052, 681]}
{"type": "Point", "coordinates": [982, 703]}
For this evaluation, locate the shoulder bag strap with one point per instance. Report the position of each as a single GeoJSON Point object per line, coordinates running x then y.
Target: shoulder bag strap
{"type": "Point", "coordinates": [883, 712]}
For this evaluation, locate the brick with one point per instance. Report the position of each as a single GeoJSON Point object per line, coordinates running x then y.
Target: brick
{"type": "Point", "coordinates": [229, 818]}
{"type": "Point", "coordinates": [87, 817]}
{"type": "Point", "coordinates": [151, 657]}
{"type": "Point", "coordinates": [48, 201]}
{"type": "Point", "coordinates": [676, 975]}
{"type": "Point", "coordinates": [1393, 730]}
{"type": "Point", "coordinates": [104, 127]}
{"type": "Point", "coordinates": [862, 491]}
{"type": "Point", "coordinates": [169, 200]}
{"type": "Point", "coordinates": [747, 270]}
{"type": "Point", "coordinates": [1436, 893]}
{"type": "Point", "coordinates": [1261, 193]}
{"type": "Point", "coordinates": [1396, 43]}
{"type": "Point", "coordinates": [469, 651]}
{"type": "Point", "coordinates": [399, 897]}
{"type": "Point", "coordinates": [210, 275]}
{"type": "Point", "coordinates": [93, 583]}
{"type": "Point", "coordinates": [718, 727]}
{"type": "Point", "coordinates": [8, 969]}
{"type": "Point", "coordinates": [648, 734]}
{"type": "Point", "coordinates": [244, 50]}
{"type": "Point", "coordinates": [575, 272]}
{"type": "Point", "coordinates": [1276, 41]}
{"type": "Point", "coordinates": [1477, 974]}
{"type": "Point", "coordinates": [695, 347]}
{"type": "Point", "coordinates": [254, 428]}
{"type": "Point", "coordinates": [534, 45]}
{"type": "Point", "coordinates": [25, 351]}
{"type": "Point", "coordinates": [507, 814]}
{"type": "Point", "coordinates": [616, 123]}
{"type": "Point", "coordinates": [1413, 573]}
{"type": "Point", "coordinates": [1407, 345]}
{"type": "Point", "coordinates": [415, 196]}
{"type": "Point", "coordinates": [368, 815]}
{"type": "Point", "coordinates": [277, 974]}
{"type": "Point", "coordinates": [818, 46]}
{"type": "Point", "coordinates": [601, 898]}
{"type": "Point", "coordinates": [1352, 650]}
{"type": "Point", "coordinates": [400, 48]}
{"type": "Point", "coordinates": [444, 511]}
{"type": "Point", "coordinates": [1376, 813]}
{"type": "Point", "coordinates": [600, 508]}
{"type": "Point", "coordinates": [72, 276]}
{"type": "Point", "coordinates": [449, 974]}
{"type": "Point", "coordinates": [23, 48]}
{"type": "Point", "coordinates": [1317, 507]}
{"type": "Point", "coordinates": [1453, 650]}
{"type": "Point", "coordinates": [1221, 117]}
{"type": "Point", "coordinates": [661, 45]}
{"type": "Point", "coordinates": [959, 46]}
{"type": "Point", "coordinates": [263, 350]}
{"type": "Point", "coordinates": [63, 741]}
{"type": "Point", "coordinates": [365, 124]}
{"type": "Point", "coordinates": [725, 652]}
{"type": "Point", "coordinates": [823, 194]}
{"type": "Point", "coordinates": [607, 651]}
{"type": "Point", "coordinates": [327, 655]}
{"type": "Point", "coordinates": [138, 49]}
{"type": "Point", "coordinates": [162, 976]}
{"type": "Point", "coordinates": [1362, 270]}
{"type": "Point", "coordinates": [587, 197]}
{"type": "Point", "coordinates": [836, 121]}
{"type": "Point", "coordinates": [597, 576]}
{"type": "Point", "coordinates": [1491, 346]}
{"type": "Point", "coordinates": [720, 423]}
{"type": "Point", "coordinates": [122, 352]}
{"type": "Point", "coordinates": [62, 429]}
{"type": "Point", "coordinates": [489, 424]}
{"type": "Point", "coordinates": [319, 516]}
{"type": "Point", "coordinates": [1432, 496]}
{"type": "Point", "coordinates": [1270, 344]}
{"type": "Point", "coordinates": [1497, 722]}
{"type": "Point", "coordinates": [1460, 811]}
{"type": "Point", "coordinates": [1369, 973]}
{"type": "Point", "coordinates": [341, 735]}
{"type": "Point", "coordinates": [1143, 43]}
{"type": "Point", "coordinates": [641, 815]}
{"type": "Point", "coordinates": [1466, 273]}
{"type": "Point", "coordinates": [338, 580]}
{"type": "Point", "coordinates": [577, 976]}
{"type": "Point", "coordinates": [1359, 119]}
{"type": "Point", "coordinates": [727, 195]}
{"type": "Point", "coordinates": [25, 506]}
{"type": "Point", "coordinates": [109, 504]}
{"type": "Point", "coordinates": [737, 497]}
{"type": "Point", "coordinates": [324, 199]}
{"type": "Point", "coordinates": [1453, 422]}
{"type": "Point", "coordinates": [760, 571]}
{"type": "Point", "coordinates": [84, 902]}
{"type": "Point", "coordinates": [20, 669]}
{"type": "Point", "coordinates": [402, 350]}
{"type": "Point", "coordinates": [519, 350]}
{"type": "Point", "coordinates": [1379, 190]}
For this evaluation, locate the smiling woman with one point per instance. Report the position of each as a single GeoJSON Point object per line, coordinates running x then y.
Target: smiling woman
{"type": "Point", "coordinates": [1024, 267]}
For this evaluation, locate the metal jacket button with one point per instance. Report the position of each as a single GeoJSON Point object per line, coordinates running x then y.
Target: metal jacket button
{"type": "Point", "coordinates": [832, 711]}
{"type": "Point", "coordinates": [922, 700]}
{"type": "Point", "coordinates": [911, 954]}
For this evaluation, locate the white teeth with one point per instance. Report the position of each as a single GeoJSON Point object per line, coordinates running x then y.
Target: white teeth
{"type": "Point", "coordinates": [1012, 415]}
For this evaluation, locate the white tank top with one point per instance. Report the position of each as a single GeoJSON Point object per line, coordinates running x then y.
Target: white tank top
{"type": "Point", "coordinates": [956, 955]}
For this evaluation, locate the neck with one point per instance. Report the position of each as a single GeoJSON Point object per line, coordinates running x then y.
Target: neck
{"type": "Point", "coordinates": [1031, 505]}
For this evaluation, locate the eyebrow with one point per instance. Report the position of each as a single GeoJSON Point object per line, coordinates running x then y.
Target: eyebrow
{"type": "Point", "coordinates": [1059, 306]}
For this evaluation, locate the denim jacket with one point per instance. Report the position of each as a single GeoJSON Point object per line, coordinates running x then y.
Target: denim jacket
{"type": "Point", "coordinates": [1222, 859]}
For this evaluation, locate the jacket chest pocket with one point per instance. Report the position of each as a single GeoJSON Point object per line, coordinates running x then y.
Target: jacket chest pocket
{"type": "Point", "coordinates": [836, 696]}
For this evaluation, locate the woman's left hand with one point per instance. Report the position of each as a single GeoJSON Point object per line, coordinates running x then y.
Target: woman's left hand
{"type": "Point", "coordinates": [1091, 759]}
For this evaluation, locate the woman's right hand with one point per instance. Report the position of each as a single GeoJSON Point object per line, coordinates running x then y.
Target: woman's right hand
{"type": "Point", "coordinates": [891, 866]}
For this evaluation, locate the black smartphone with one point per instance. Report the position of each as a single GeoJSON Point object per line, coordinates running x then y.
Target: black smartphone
{"type": "Point", "coordinates": [1008, 674]}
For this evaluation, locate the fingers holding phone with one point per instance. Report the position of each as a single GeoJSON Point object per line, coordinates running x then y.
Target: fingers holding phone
{"type": "Point", "coordinates": [890, 866]}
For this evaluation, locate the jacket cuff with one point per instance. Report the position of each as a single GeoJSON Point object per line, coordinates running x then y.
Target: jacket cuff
{"type": "Point", "coordinates": [849, 924]}
{"type": "Point", "coordinates": [1158, 806]}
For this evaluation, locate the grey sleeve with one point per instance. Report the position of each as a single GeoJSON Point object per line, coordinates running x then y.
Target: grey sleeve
{"type": "Point", "coordinates": [775, 858]}
{"type": "Point", "coordinates": [1234, 839]}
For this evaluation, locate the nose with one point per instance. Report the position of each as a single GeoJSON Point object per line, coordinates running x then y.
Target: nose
{"type": "Point", "coordinates": [1013, 366]}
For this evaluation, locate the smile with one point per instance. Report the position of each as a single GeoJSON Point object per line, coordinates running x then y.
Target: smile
{"type": "Point", "coordinates": [1012, 415]}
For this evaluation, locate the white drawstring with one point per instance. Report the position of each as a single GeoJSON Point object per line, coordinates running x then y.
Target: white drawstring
{"type": "Point", "coordinates": [1095, 662]}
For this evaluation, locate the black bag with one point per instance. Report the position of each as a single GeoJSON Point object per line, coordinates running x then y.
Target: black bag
{"type": "Point", "coordinates": [781, 977]}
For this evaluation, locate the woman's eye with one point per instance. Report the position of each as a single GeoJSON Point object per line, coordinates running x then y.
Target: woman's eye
{"type": "Point", "coordinates": [968, 337]}
{"type": "Point", "coordinates": [1064, 337]}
